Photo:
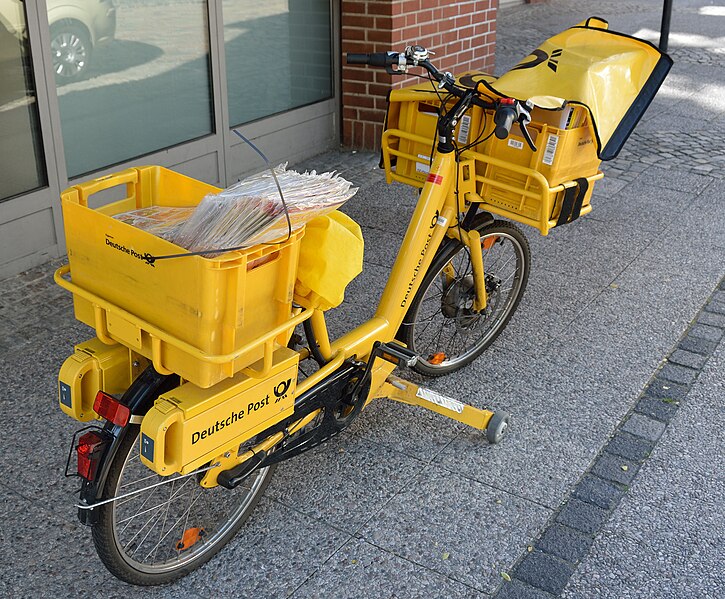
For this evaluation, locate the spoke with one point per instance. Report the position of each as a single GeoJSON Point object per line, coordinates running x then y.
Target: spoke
{"type": "Point", "coordinates": [160, 505]}
{"type": "Point", "coordinates": [133, 482]}
{"type": "Point", "coordinates": [150, 495]}
{"type": "Point", "coordinates": [163, 523]}
{"type": "Point", "coordinates": [186, 522]}
{"type": "Point", "coordinates": [173, 526]}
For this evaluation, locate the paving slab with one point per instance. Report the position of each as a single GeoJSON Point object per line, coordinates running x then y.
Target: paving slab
{"type": "Point", "coordinates": [344, 481]}
{"type": "Point", "coordinates": [454, 526]}
{"type": "Point", "coordinates": [666, 537]}
{"type": "Point", "coordinates": [360, 569]}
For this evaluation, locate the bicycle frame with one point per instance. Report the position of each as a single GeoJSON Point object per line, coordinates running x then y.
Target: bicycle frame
{"type": "Point", "coordinates": [435, 217]}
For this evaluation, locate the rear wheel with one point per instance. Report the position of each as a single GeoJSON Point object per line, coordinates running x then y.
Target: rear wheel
{"type": "Point", "coordinates": [441, 325]}
{"type": "Point", "coordinates": [165, 532]}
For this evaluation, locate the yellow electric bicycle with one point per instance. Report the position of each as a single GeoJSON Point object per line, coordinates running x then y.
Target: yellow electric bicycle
{"type": "Point", "coordinates": [190, 415]}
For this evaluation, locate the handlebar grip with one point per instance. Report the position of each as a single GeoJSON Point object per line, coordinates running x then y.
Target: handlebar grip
{"type": "Point", "coordinates": [374, 59]}
{"type": "Point", "coordinates": [504, 118]}
{"type": "Point", "coordinates": [358, 58]}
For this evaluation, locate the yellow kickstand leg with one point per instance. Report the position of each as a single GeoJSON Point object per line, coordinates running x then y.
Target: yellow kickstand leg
{"type": "Point", "coordinates": [494, 423]}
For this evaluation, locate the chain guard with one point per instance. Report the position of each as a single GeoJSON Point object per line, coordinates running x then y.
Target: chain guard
{"type": "Point", "coordinates": [341, 402]}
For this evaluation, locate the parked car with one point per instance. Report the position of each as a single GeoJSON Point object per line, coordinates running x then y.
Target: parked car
{"type": "Point", "coordinates": [76, 28]}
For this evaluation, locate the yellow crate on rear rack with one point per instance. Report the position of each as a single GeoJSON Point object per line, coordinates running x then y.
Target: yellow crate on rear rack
{"type": "Point", "coordinates": [200, 317]}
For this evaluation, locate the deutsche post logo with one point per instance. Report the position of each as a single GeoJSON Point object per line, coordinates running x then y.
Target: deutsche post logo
{"type": "Point", "coordinates": [281, 389]}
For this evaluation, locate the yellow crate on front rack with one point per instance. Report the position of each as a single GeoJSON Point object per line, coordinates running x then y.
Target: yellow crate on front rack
{"type": "Point", "coordinates": [563, 156]}
{"type": "Point", "coordinates": [505, 176]}
{"type": "Point", "coordinates": [414, 110]}
{"type": "Point", "coordinates": [190, 315]}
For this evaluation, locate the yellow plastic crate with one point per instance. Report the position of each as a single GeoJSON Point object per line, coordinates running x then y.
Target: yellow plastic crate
{"type": "Point", "coordinates": [562, 156]}
{"type": "Point", "coordinates": [202, 318]}
{"type": "Point", "coordinates": [504, 176]}
{"type": "Point", "coordinates": [414, 110]}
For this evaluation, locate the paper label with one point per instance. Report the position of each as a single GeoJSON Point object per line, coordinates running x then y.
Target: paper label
{"type": "Point", "coordinates": [550, 150]}
{"type": "Point", "coordinates": [515, 143]}
{"type": "Point", "coordinates": [464, 129]}
{"type": "Point", "coordinates": [423, 167]}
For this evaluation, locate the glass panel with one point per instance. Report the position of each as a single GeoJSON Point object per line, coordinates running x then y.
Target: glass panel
{"type": "Point", "coordinates": [133, 77]}
{"type": "Point", "coordinates": [278, 56]}
{"type": "Point", "coordinates": [22, 167]}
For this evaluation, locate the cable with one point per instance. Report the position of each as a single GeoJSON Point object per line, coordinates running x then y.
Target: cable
{"type": "Point", "coordinates": [276, 181]}
{"type": "Point", "coordinates": [151, 259]}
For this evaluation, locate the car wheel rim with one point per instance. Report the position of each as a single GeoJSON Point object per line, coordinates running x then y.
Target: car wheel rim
{"type": "Point", "coordinates": [70, 55]}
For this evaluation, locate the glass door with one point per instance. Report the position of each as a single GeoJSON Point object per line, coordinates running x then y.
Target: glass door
{"type": "Point", "coordinates": [22, 168]}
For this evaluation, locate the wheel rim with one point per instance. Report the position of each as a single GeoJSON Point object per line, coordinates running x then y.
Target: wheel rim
{"type": "Point", "coordinates": [445, 324]}
{"type": "Point", "coordinates": [148, 526]}
{"type": "Point", "coordinates": [70, 55]}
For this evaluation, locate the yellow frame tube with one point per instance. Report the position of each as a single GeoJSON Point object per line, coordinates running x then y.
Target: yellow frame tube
{"type": "Point", "coordinates": [406, 392]}
{"type": "Point", "coordinates": [472, 240]}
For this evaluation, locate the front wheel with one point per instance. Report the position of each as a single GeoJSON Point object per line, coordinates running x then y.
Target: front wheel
{"type": "Point", "coordinates": [165, 532]}
{"type": "Point", "coordinates": [441, 326]}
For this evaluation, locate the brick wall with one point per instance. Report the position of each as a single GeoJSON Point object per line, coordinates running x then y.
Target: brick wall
{"type": "Point", "coordinates": [463, 35]}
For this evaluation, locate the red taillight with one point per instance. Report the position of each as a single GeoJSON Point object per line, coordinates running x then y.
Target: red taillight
{"type": "Point", "coordinates": [111, 409]}
{"type": "Point", "coordinates": [89, 449]}
{"type": "Point", "coordinates": [507, 101]}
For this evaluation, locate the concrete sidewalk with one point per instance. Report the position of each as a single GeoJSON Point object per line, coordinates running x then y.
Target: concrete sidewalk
{"type": "Point", "coordinates": [610, 482]}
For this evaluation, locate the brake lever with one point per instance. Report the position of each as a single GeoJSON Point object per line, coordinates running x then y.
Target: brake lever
{"type": "Point", "coordinates": [524, 118]}
{"type": "Point", "coordinates": [525, 132]}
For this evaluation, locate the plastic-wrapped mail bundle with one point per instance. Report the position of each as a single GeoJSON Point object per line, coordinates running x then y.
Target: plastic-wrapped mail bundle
{"type": "Point", "coordinates": [162, 221]}
{"type": "Point", "coordinates": [251, 211]}
{"type": "Point", "coordinates": [248, 213]}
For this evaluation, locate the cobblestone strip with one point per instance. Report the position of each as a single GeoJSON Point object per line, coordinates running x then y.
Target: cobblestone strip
{"type": "Point", "coordinates": [543, 571]}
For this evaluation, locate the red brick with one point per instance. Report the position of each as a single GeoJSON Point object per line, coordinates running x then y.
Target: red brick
{"type": "Point", "coordinates": [358, 101]}
{"type": "Point", "coordinates": [349, 33]}
{"type": "Point", "coordinates": [353, 7]}
{"type": "Point", "coordinates": [354, 87]}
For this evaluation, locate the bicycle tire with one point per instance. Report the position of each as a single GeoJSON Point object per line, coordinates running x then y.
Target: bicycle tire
{"type": "Point", "coordinates": [107, 536]}
{"type": "Point", "coordinates": [451, 300]}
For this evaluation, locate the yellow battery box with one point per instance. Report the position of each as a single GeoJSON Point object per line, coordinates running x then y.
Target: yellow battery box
{"type": "Point", "coordinates": [93, 367]}
{"type": "Point", "coordinates": [190, 426]}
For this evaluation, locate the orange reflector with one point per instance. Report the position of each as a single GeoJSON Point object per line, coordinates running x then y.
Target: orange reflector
{"type": "Point", "coordinates": [437, 358]}
{"type": "Point", "coordinates": [489, 241]}
{"type": "Point", "coordinates": [190, 538]}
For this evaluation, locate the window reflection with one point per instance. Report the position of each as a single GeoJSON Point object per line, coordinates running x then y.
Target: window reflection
{"type": "Point", "coordinates": [278, 56]}
{"type": "Point", "coordinates": [22, 167]}
{"type": "Point", "coordinates": [132, 77]}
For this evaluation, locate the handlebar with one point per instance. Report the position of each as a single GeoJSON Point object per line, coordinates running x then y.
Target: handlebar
{"type": "Point", "coordinates": [504, 117]}
{"type": "Point", "coordinates": [507, 110]}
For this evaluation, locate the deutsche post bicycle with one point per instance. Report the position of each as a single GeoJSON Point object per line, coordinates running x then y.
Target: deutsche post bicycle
{"type": "Point", "coordinates": [194, 388]}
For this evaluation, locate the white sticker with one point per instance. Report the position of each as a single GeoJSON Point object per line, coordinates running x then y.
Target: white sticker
{"type": "Point", "coordinates": [515, 143]}
{"type": "Point", "coordinates": [464, 129]}
{"type": "Point", "coordinates": [550, 150]}
{"type": "Point", "coordinates": [423, 167]}
{"type": "Point", "coordinates": [440, 400]}
{"type": "Point", "coordinates": [442, 221]}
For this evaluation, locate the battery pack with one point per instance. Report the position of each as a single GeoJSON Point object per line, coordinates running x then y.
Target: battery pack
{"type": "Point", "coordinates": [190, 426]}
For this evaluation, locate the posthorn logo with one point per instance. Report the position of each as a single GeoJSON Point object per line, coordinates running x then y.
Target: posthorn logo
{"type": "Point", "coordinates": [538, 57]}
{"type": "Point", "coordinates": [553, 63]}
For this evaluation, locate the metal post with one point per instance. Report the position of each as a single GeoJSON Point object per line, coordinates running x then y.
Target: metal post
{"type": "Point", "coordinates": [665, 28]}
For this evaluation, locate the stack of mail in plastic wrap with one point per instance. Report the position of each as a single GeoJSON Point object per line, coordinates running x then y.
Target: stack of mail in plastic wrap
{"type": "Point", "coordinates": [247, 213]}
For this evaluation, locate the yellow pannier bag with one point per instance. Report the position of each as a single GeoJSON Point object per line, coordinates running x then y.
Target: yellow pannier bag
{"type": "Point", "coordinates": [331, 255]}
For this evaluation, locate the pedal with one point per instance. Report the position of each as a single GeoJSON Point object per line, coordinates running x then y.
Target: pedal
{"type": "Point", "coordinates": [395, 354]}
